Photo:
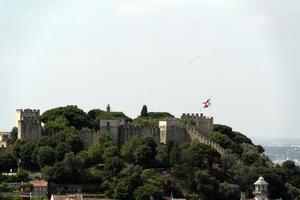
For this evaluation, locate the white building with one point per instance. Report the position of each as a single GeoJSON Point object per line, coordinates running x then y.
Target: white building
{"type": "Point", "coordinates": [261, 189]}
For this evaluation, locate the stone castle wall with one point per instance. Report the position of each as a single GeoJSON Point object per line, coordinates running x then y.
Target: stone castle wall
{"type": "Point", "coordinates": [128, 131]}
{"type": "Point", "coordinates": [172, 130]}
{"type": "Point", "coordinates": [88, 137]}
{"type": "Point", "coordinates": [29, 127]}
{"type": "Point", "coordinates": [194, 134]}
{"type": "Point", "coordinates": [202, 123]}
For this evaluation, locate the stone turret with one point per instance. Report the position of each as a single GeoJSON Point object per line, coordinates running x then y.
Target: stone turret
{"type": "Point", "coordinates": [261, 189]}
{"type": "Point", "coordinates": [29, 125]}
{"type": "Point", "coordinates": [171, 129]}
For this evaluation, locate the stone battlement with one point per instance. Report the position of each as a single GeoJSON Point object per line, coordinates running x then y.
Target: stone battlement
{"type": "Point", "coordinates": [195, 116]}
{"type": "Point", "coordinates": [29, 111]}
{"type": "Point", "coordinates": [129, 130]}
{"type": "Point", "coordinates": [199, 121]}
{"type": "Point", "coordinates": [194, 134]}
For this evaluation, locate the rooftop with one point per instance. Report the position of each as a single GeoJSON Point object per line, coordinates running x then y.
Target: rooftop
{"type": "Point", "coordinates": [261, 181]}
{"type": "Point", "coordinates": [39, 183]}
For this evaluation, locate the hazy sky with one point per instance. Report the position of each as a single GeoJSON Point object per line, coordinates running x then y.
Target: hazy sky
{"type": "Point", "coordinates": [169, 54]}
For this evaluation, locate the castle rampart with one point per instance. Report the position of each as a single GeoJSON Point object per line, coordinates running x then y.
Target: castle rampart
{"type": "Point", "coordinates": [29, 127]}
{"type": "Point", "coordinates": [200, 122]}
{"type": "Point", "coordinates": [194, 134]}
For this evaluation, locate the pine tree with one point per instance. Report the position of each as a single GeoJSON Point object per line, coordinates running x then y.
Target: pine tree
{"type": "Point", "coordinates": [144, 112]}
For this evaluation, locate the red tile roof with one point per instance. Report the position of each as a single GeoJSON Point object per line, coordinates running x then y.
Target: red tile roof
{"type": "Point", "coordinates": [39, 183]}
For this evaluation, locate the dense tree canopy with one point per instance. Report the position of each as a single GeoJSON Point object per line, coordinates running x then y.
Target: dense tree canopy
{"type": "Point", "coordinates": [71, 115]}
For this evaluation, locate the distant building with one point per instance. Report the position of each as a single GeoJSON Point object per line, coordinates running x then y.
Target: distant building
{"type": "Point", "coordinates": [66, 197]}
{"type": "Point", "coordinates": [39, 188]}
{"type": "Point", "coordinates": [3, 139]}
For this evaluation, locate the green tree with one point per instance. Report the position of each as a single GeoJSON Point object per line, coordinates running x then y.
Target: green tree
{"type": "Point", "coordinates": [147, 191]}
{"type": "Point", "coordinates": [163, 156]}
{"type": "Point", "coordinates": [13, 135]}
{"type": "Point", "coordinates": [75, 116]}
{"type": "Point", "coordinates": [46, 156]}
{"type": "Point", "coordinates": [7, 162]}
{"type": "Point", "coordinates": [139, 150]}
{"type": "Point", "coordinates": [23, 150]}
{"type": "Point", "coordinates": [223, 140]}
{"type": "Point", "coordinates": [22, 175]}
{"type": "Point", "coordinates": [144, 112]}
{"type": "Point", "coordinates": [293, 192]}
{"type": "Point", "coordinates": [61, 149]}
{"type": "Point", "coordinates": [228, 191]}
{"type": "Point", "coordinates": [206, 185]}
{"type": "Point", "coordinates": [112, 167]}
{"type": "Point", "coordinates": [58, 124]}
{"type": "Point", "coordinates": [122, 190]}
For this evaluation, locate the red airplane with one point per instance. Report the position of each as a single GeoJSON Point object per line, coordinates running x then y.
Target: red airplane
{"type": "Point", "coordinates": [206, 103]}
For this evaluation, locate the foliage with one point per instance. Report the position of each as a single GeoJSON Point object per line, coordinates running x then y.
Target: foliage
{"type": "Point", "coordinates": [46, 156]}
{"type": "Point", "coordinates": [228, 191]}
{"type": "Point", "coordinates": [7, 162]}
{"type": "Point", "coordinates": [140, 151]}
{"type": "Point", "coordinates": [10, 197]}
{"type": "Point", "coordinates": [144, 112]}
{"type": "Point", "coordinates": [13, 135]}
{"type": "Point", "coordinates": [147, 191]}
{"type": "Point", "coordinates": [4, 187]}
{"type": "Point", "coordinates": [22, 176]}
{"type": "Point", "coordinates": [23, 150]}
{"type": "Point", "coordinates": [72, 114]}
{"type": "Point", "coordinates": [206, 184]}
{"type": "Point", "coordinates": [151, 118]}
{"type": "Point", "coordinates": [96, 115]}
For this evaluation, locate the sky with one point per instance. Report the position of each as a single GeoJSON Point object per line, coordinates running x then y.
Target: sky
{"type": "Point", "coordinates": [168, 54]}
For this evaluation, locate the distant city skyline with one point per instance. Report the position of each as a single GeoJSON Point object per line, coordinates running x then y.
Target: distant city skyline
{"type": "Point", "coordinates": [168, 54]}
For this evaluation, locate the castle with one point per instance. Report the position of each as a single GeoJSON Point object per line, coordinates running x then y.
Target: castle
{"type": "Point", "coordinates": [199, 128]}
{"type": "Point", "coordinates": [28, 124]}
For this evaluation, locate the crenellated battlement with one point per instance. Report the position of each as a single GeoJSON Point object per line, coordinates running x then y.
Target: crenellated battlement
{"type": "Point", "coordinates": [130, 130]}
{"type": "Point", "coordinates": [194, 134]}
{"type": "Point", "coordinates": [196, 116]}
{"type": "Point", "coordinates": [88, 136]}
{"type": "Point", "coordinates": [199, 121]}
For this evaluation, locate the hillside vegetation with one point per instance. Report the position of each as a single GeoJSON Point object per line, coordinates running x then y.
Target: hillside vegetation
{"type": "Point", "coordinates": [142, 167]}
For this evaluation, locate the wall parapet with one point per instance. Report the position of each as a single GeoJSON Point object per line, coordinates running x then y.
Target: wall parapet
{"type": "Point", "coordinates": [195, 134]}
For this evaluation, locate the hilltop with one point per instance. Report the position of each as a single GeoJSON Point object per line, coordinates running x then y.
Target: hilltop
{"type": "Point", "coordinates": [141, 165]}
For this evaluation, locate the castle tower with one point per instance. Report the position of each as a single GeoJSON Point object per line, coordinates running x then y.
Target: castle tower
{"type": "Point", "coordinates": [200, 122]}
{"type": "Point", "coordinates": [261, 189]}
{"type": "Point", "coordinates": [112, 127]}
{"type": "Point", "coordinates": [171, 129]}
{"type": "Point", "coordinates": [29, 126]}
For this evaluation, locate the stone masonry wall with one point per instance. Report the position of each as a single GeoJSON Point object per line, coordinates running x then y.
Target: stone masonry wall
{"type": "Point", "coordinates": [194, 134]}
